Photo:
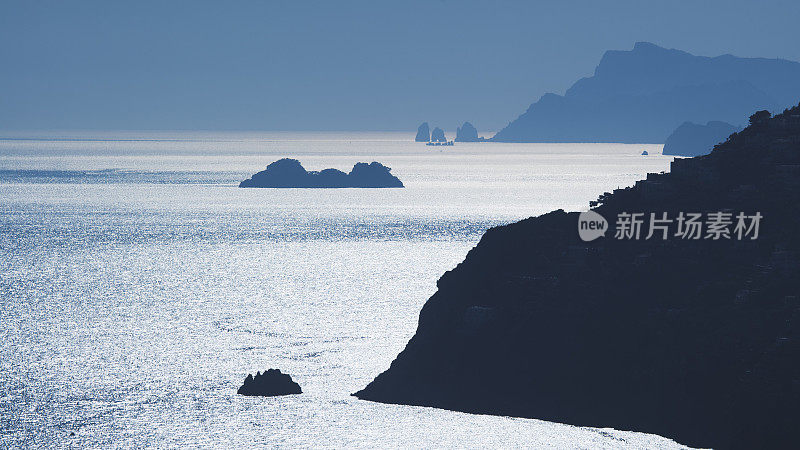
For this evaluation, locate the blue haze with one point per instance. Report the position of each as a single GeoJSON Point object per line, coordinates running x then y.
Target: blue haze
{"type": "Point", "coordinates": [353, 65]}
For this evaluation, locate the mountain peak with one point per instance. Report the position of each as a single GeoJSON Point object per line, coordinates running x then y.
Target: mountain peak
{"type": "Point", "coordinates": [644, 45]}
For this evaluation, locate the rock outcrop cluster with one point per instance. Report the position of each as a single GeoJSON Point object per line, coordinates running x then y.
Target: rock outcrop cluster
{"type": "Point", "coordinates": [289, 173]}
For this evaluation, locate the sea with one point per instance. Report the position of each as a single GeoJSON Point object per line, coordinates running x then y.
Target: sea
{"type": "Point", "coordinates": [139, 285]}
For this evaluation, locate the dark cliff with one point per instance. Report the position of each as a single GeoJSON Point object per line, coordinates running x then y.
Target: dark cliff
{"type": "Point", "coordinates": [695, 340]}
{"type": "Point", "coordinates": [642, 95]}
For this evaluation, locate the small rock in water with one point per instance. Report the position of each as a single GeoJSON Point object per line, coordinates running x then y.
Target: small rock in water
{"type": "Point", "coordinates": [270, 383]}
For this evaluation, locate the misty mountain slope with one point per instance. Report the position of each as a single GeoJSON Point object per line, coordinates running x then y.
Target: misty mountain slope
{"type": "Point", "coordinates": [642, 95]}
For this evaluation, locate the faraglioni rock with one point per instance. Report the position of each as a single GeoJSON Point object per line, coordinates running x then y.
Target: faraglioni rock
{"type": "Point", "coordinates": [268, 384]}
{"type": "Point", "coordinates": [468, 133]}
{"type": "Point", "coordinates": [438, 135]}
{"type": "Point", "coordinates": [289, 173]}
{"type": "Point", "coordinates": [691, 139]}
{"type": "Point", "coordinates": [682, 335]}
{"type": "Point", "coordinates": [641, 95]}
{"type": "Point", "coordinates": [423, 133]}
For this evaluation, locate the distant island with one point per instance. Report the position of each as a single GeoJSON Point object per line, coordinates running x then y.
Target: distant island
{"type": "Point", "coordinates": [691, 139]}
{"type": "Point", "coordinates": [687, 336]}
{"type": "Point", "coordinates": [642, 95]}
{"type": "Point", "coordinates": [269, 384]}
{"type": "Point", "coordinates": [289, 173]}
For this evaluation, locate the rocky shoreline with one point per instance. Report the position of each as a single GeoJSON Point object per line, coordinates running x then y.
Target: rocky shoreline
{"type": "Point", "coordinates": [697, 340]}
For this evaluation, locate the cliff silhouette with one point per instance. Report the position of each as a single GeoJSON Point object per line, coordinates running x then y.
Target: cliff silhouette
{"type": "Point", "coordinates": [269, 384]}
{"type": "Point", "coordinates": [642, 95]}
{"type": "Point", "coordinates": [695, 340]}
{"type": "Point", "coordinates": [289, 173]}
{"type": "Point", "coordinates": [691, 139]}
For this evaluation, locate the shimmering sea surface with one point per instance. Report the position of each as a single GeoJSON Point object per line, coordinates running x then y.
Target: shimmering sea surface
{"type": "Point", "coordinates": [139, 285]}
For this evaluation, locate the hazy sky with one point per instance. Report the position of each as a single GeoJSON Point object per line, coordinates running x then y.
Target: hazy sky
{"type": "Point", "coordinates": [372, 65]}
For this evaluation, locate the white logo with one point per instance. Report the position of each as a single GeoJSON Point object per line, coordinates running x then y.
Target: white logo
{"type": "Point", "coordinates": [591, 226]}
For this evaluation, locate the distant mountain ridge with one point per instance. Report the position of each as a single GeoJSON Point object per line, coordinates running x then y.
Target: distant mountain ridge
{"type": "Point", "coordinates": [642, 95]}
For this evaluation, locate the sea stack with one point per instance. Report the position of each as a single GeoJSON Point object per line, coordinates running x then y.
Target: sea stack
{"type": "Point", "coordinates": [423, 133]}
{"type": "Point", "coordinates": [438, 135]}
{"type": "Point", "coordinates": [467, 133]}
